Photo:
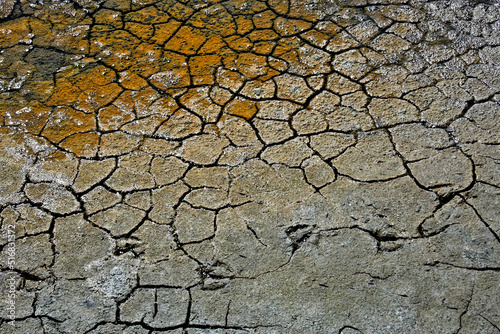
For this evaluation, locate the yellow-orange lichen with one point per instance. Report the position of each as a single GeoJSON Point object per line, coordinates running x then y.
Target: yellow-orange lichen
{"type": "Point", "coordinates": [65, 121]}
{"type": "Point", "coordinates": [241, 107]}
{"type": "Point", "coordinates": [82, 144]}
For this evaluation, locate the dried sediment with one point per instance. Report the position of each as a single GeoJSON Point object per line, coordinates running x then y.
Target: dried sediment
{"type": "Point", "coordinates": [251, 166]}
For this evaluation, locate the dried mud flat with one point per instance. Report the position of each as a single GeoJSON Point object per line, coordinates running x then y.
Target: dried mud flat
{"type": "Point", "coordinates": [246, 166]}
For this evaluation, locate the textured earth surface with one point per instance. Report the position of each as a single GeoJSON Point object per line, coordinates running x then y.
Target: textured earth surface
{"type": "Point", "coordinates": [245, 166]}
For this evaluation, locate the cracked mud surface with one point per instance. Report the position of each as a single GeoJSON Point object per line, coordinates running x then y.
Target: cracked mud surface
{"type": "Point", "coordinates": [245, 166]}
